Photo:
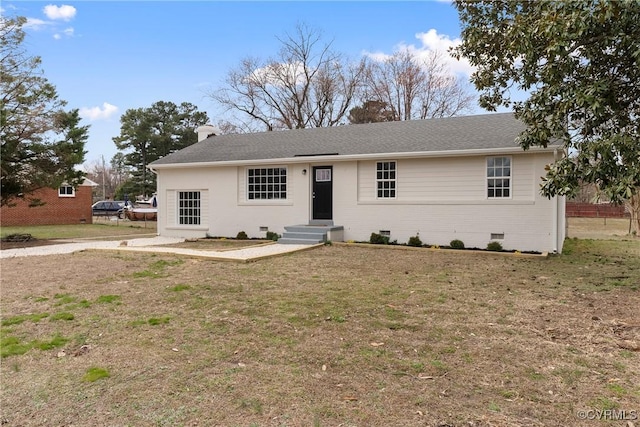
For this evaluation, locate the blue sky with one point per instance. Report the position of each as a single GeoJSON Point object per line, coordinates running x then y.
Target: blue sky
{"type": "Point", "coordinates": [107, 57]}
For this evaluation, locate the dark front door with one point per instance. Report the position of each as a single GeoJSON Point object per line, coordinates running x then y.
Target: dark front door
{"type": "Point", "coordinates": [322, 192]}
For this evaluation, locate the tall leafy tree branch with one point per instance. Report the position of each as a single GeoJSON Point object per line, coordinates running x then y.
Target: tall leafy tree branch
{"type": "Point", "coordinates": [147, 134]}
{"type": "Point", "coordinates": [41, 142]}
{"type": "Point", "coordinates": [579, 63]}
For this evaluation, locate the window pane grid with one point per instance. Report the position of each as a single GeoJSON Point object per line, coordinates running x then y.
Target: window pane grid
{"type": "Point", "coordinates": [189, 207]}
{"type": "Point", "coordinates": [267, 183]}
{"type": "Point", "coordinates": [498, 177]}
{"type": "Point", "coordinates": [65, 190]}
{"type": "Point", "coordinates": [386, 180]}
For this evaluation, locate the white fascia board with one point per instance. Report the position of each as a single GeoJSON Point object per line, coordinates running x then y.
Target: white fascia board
{"type": "Point", "coordinates": [351, 157]}
{"type": "Point", "coordinates": [89, 183]}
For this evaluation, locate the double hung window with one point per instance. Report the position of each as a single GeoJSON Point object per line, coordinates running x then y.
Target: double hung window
{"type": "Point", "coordinates": [386, 180]}
{"type": "Point", "coordinates": [498, 177]}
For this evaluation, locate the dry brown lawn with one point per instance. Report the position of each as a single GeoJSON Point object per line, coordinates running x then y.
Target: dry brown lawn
{"type": "Point", "coordinates": [336, 336]}
{"type": "Point", "coordinates": [598, 228]}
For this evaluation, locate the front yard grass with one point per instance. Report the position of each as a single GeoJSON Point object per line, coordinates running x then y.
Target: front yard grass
{"type": "Point", "coordinates": [338, 335]}
{"type": "Point", "coordinates": [84, 231]}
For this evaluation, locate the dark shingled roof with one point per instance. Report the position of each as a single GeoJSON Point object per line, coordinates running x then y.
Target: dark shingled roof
{"type": "Point", "coordinates": [487, 131]}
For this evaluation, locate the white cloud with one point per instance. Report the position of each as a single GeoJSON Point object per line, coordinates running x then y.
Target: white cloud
{"type": "Point", "coordinates": [67, 32]}
{"type": "Point", "coordinates": [3, 9]}
{"type": "Point", "coordinates": [64, 12]}
{"type": "Point", "coordinates": [431, 42]}
{"type": "Point", "coordinates": [98, 113]}
{"type": "Point", "coordinates": [36, 24]}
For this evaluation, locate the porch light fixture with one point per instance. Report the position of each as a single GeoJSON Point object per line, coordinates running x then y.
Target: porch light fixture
{"type": "Point", "coordinates": [304, 171]}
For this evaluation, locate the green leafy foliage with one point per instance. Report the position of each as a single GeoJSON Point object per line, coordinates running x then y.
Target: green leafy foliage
{"type": "Point", "coordinates": [414, 241]}
{"type": "Point", "coordinates": [41, 143]}
{"type": "Point", "coordinates": [378, 239]}
{"type": "Point", "coordinates": [242, 235]}
{"type": "Point", "coordinates": [456, 244]}
{"type": "Point", "coordinates": [494, 246]}
{"type": "Point", "coordinates": [151, 133]}
{"type": "Point", "coordinates": [579, 62]}
{"type": "Point", "coordinates": [272, 236]}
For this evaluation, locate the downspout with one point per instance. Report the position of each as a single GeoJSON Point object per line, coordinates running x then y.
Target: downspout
{"type": "Point", "coordinates": [554, 243]}
{"type": "Point", "coordinates": [157, 217]}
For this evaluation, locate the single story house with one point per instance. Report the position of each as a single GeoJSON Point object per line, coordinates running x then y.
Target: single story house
{"type": "Point", "coordinates": [462, 178]}
{"type": "Point", "coordinates": [51, 206]}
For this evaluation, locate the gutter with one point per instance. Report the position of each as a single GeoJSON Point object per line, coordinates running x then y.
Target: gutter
{"type": "Point", "coordinates": [349, 157]}
{"type": "Point", "coordinates": [554, 243]}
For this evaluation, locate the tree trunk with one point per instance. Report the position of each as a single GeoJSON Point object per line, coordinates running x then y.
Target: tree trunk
{"type": "Point", "coordinates": [633, 206]}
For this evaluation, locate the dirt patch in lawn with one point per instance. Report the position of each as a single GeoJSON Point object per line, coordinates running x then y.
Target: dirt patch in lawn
{"type": "Point", "coordinates": [4, 244]}
{"type": "Point", "coordinates": [217, 244]}
{"type": "Point", "coordinates": [338, 335]}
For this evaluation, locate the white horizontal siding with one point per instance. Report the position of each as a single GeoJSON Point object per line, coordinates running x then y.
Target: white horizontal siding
{"type": "Point", "coordinates": [225, 210]}
{"type": "Point", "coordinates": [446, 198]}
{"type": "Point", "coordinates": [460, 179]}
{"type": "Point", "coordinates": [439, 199]}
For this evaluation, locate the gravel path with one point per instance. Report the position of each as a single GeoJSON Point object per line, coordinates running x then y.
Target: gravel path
{"type": "Point", "coordinates": [151, 245]}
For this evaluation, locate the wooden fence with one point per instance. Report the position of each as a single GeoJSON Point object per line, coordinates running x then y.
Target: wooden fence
{"type": "Point", "coordinates": [592, 210]}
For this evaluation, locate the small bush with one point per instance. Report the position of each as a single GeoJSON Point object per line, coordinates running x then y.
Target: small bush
{"type": "Point", "coordinates": [494, 246]}
{"type": "Point", "coordinates": [456, 244]}
{"type": "Point", "coordinates": [272, 236]}
{"type": "Point", "coordinates": [415, 241]}
{"type": "Point", "coordinates": [378, 239]}
{"type": "Point", "coordinates": [242, 236]}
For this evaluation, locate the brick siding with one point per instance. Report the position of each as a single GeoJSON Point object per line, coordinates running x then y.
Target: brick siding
{"type": "Point", "coordinates": [56, 210]}
{"type": "Point", "coordinates": [591, 210]}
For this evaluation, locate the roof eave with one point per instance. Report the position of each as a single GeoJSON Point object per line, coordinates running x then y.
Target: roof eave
{"type": "Point", "coordinates": [351, 157]}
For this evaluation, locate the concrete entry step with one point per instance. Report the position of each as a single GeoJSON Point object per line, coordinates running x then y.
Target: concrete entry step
{"type": "Point", "coordinates": [310, 234]}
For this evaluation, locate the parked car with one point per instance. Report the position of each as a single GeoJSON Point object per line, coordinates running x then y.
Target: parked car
{"type": "Point", "coordinates": [108, 208]}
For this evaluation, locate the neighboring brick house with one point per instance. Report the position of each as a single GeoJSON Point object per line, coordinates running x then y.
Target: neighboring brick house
{"type": "Point", "coordinates": [64, 205]}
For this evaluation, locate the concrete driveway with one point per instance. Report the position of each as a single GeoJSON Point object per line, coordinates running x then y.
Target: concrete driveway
{"type": "Point", "coordinates": [153, 244]}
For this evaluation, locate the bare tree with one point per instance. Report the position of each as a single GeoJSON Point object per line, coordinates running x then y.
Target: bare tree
{"type": "Point", "coordinates": [417, 88]}
{"type": "Point", "coordinates": [108, 177]}
{"type": "Point", "coordinates": [306, 85]}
